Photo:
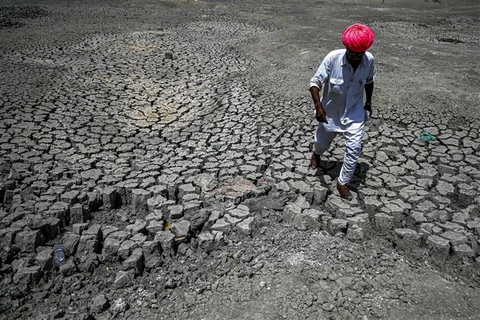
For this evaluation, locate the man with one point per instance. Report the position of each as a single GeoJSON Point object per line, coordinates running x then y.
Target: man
{"type": "Point", "coordinates": [344, 75]}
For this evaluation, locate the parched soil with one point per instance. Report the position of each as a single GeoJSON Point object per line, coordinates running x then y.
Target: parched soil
{"type": "Point", "coordinates": [166, 145]}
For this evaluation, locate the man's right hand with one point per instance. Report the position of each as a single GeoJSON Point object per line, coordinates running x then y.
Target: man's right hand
{"type": "Point", "coordinates": [320, 113]}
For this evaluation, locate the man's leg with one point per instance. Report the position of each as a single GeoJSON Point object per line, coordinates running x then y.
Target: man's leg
{"type": "Point", "coordinates": [322, 141]}
{"type": "Point", "coordinates": [353, 148]}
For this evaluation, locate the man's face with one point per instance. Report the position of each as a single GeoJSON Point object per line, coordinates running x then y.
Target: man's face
{"type": "Point", "coordinates": [355, 57]}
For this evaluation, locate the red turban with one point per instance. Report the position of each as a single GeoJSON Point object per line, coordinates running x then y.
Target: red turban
{"type": "Point", "coordinates": [358, 37]}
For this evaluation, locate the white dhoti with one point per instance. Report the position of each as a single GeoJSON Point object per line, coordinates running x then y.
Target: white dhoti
{"type": "Point", "coordinates": [353, 145]}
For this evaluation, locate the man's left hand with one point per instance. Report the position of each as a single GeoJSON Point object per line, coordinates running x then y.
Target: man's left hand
{"type": "Point", "coordinates": [368, 107]}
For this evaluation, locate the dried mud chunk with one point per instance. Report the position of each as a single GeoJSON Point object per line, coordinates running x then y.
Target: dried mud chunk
{"type": "Point", "coordinates": [27, 276]}
{"type": "Point", "coordinates": [28, 240]}
{"type": "Point", "coordinates": [124, 279]}
{"type": "Point", "coordinates": [245, 227]}
{"type": "Point", "coordinates": [135, 262]}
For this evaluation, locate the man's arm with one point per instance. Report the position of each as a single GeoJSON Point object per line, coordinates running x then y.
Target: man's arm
{"type": "Point", "coordinates": [368, 97]}
{"type": "Point", "coordinates": [316, 84]}
{"type": "Point", "coordinates": [320, 113]}
{"type": "Point", "coordinates": [369, 87]}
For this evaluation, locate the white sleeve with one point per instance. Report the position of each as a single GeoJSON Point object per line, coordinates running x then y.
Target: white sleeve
{"type": "Point", "coordinates": [322, 74]}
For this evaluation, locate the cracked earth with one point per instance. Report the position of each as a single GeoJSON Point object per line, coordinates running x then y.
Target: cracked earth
{"type": "Point", "coordinates": [166, 145]}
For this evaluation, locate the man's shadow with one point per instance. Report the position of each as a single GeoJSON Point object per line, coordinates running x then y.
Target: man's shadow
{"type": "Point", "coordinates": [332, 169]}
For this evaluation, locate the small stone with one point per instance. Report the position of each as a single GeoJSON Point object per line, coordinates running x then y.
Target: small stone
{"type": "Point", "coordinates": [78, 228]}
{"type": "Point", "coordinates": [302, 202]}
{"type": "Point", "coordinates": [466, 197]}
{"type": "Point", "coordinates": [92, 174]}
{"type": "Point", "coordinates": [158, 190]}
{"type": "Point", "coordinates": [474, 225]}
{"type": "Point", "coordinates": [99, 304]}
{"type": "Point", "coordinates": [319, 193]}
{"type": "Point", "coordinates": [44, 259]}
{"type": "Point", "coordinates": [110, 247]}
{"type": "Point", "coordinates": [464, 250]}
{"type": "Point", "coordinates": [328, 307]}
{"type": "Point", "coordinates": [438, 245]}
{"type": "Point", "coordinates": [181, 228]}
{"type": "Point", "coordinates": [123, 279]}
{"type": "Point", "coordinates": [283, 186]}
{"type": "Point", "coordinates": [445, 188]}
{"type": "Point", "coordinates": [28, 240]}
{"type": "Point", "coordinates": [119, 306]}
{"type": "Point", "coordinates": [53, 227]}
{"type": "Point", "coordinates": [383, 222]}
{"type": "Point", "coordinates": [455, 238]}
{"type": "Point", "coordinates": [139, 202]}
{"type": "Point", "coordinates": [135, 262]}
{"type": "Point", "coordinates": [7, 236]}
{"type": "Point", "coordinates": [206, 241]}
{"type": "Point", "coordinates": [185, 189]}
{"type": "Point", "coordinates": [372, 204]}
{"type": "Point", "coordinates": [335, 203]}
{"type": "Point", "coordinates": [240, 213]}
{"type": "Point", "coordinates": [111, 199]}
{"type": "Point", "coordinates": [337, 226]}
{"type": "Point", "coordinates": [94, 201]}
{"type": "Point", "coordinates": [165, 238]}
{"type": "Point", "coordinates": [126, 248]}
{"type": "Point", "coordinates": [88, 243]}
{"type": "Point", "coordinates": [27, 275]}
{"type": "Point", "coordinates": [355, 233]}
{"type": "Point", "coordinates": [77, 214]}
{"type": "Point", "coordinates": [154, 226]}
{"type": "Point", "coordinates": [245, 227]}
{"type": "Point", "coordinates": [138, 227]}
{"type": "Point", "coordinates": [155, 215]}
{"type": "Point", "coordinates": [87, 261]}
{"type": "Point", "coordinates": [302, 188]}
{"type": "Point", "coordinates": [460, 218]}
{"type": "Point", "coordinates": [214, 216]}
{"type": "Point", "coordinates": [311, 218]}
{"type": "Point", "coordinates": [191, 206]}
{"type": "Point", "coordinates": [151, 249]}
{"type": "Point", "coordinates": [418, 217]}
{"type": "Point", "coordinates": [197, 219]}
{"type": "Point", "coordinates": [450, 226]}
{"type": "Point", "coordinates": [362, 221]}
{"type": "Point", "coordinates": [70, 197]}
{"type": "Point", "coordinates": [175, 212]}
{"type": "Point", "coordinates": [290, 211]}
{"type": "Point", "coordinates": [95, 230]}
{"type": "Point", "coordinates": [221, 225]}
{"type": "Point", "coordinates": [445, 169]}
{"type": "Point", "coordinates": [231, 220]}
{"type": "Point", "coordinates": [139, 238]}
{"type": "Point", "coordinates": [71, 241]}
{"type": "Point", "coordinates": [407, 239]}
{"type": "Point", "coordinates": [37, 222]}
{"type": "Point", "coordinates": [156, 203]}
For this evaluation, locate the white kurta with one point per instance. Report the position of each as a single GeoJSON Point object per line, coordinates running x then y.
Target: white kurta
{"type": "Point", "coordinates": [342, 98]}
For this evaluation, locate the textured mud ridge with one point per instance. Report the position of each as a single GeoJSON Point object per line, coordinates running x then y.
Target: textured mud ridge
{"type": "Point", "coordinates": [179, 184]}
